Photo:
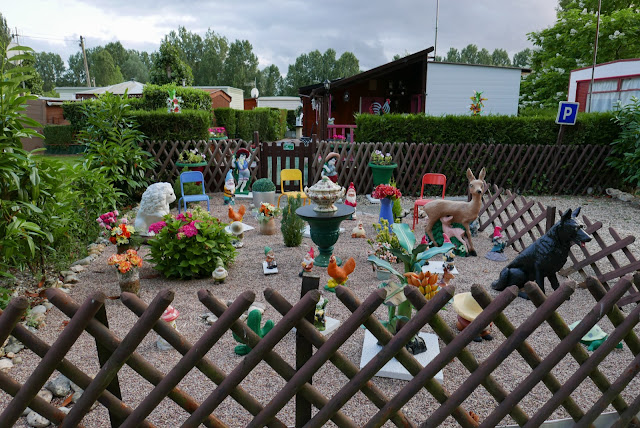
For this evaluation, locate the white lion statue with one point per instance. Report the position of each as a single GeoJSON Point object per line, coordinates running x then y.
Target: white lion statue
{"type": "Point", "coordinates": [153, 206]}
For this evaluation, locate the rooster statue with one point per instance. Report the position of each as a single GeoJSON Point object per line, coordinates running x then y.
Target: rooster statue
{"type": "Point", "coordinates": [380, 109]}
{"type": "Point", "coordinates": [499, 243]}
{"type": "Point", "coordinates": [237, 216]}
{"type": "Point", "coordinates": [351, 199]}
{"type": "Point", "coordinates": [339, 275]}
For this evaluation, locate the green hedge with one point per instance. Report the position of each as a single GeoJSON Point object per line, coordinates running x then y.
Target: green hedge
{"type": "Point", "coordinates": [590, 128]}
{"type": "Point", "coordinates": [72, 111]}
{"type": "Point", "coordinates": [155, 97]}
{"type": "Point", "coordinates": [226, 117]}
{"type": "Point", "coordinates": [161, 125]}
{"type": "Point", "coordinates": [58, 134]}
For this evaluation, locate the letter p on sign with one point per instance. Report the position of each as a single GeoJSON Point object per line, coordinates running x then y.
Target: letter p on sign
{"type": "Point", "coordinates": [567, 113]}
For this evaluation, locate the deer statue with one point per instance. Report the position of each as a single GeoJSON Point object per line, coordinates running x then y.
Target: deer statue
{"type": "Point", "coordinates": [461, 212]}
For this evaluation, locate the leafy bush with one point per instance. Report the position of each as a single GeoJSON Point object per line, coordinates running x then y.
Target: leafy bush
{"type": "Point", "coordinates": [161, 125]}
{"type": "Point", "coordinates": [270, 123]}
{"type": "Point", "coordinates": [113, 144]}
{"type": "Point", "coordinates": [58, 134]}
{"type": "Point", "coordinates": [73, 111]}
{"type": "Point", "coordinates": [226, 117]}
{"type": "Point", "coordinates": [291, 224]}
{"type": "Point", "coordinates": [291, 120]}
{"type": "Point", "coordinates": [590, 128]}
{"type": "Point", "coordinates": [263, 185]}
{"type": "Point", "coordinates": [625, 155]}
{"type": "Point", "coordinates": [188, 245]}
{"type": "Point", "coordinates": [155, 97]}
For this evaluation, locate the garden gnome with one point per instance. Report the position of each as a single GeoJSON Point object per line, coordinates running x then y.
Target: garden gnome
{"type": "Point", "coordinates": [220, 273]}
{"type": "Point", "coordinates": [449, 256]}
{"type": "Point", "coordinates": [499, 242]}
{"type": "Point", "coordinates": [270, 258]}
{"type": "Point", "coordinates": [307, 262]}
{"type": "Point", "coordinates": [319, 319]}
{"type": "Point", "coordinates": [241, 164]}
{"type": "Point", "coordinates": [468, 310]}
{"type": "Point", "coordinates": [351, 199]}
{"type": "Point", "coordinates": [229, 193]}
{"type": "Point", "coordinates": [169, 315]}
{"type": "Point", "coordinates": [358, 231]}
{"type": "Point", "coordinates": [329, 168]}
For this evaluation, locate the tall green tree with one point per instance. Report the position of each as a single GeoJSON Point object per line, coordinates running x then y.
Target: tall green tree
{"type": "Point", "coordinates": [241, 66]}
{"type": "Point", "coordinates": [500, 57]}
{"type": "Point", "coordinates": [104, 69]}
{"type": "Point", "coordinates": [522, 58]}
{"type": "Point", "coordinates": [5, 32]}
{"type": "Point", "coordinates": [453, 55]}
{"type": "Point", "coordinates": [346, 66]}
{"type": "Point", "coordinates": [134, 68]}
{"type": "Point", "coordinates": [51, 68]}
{"type": "Point", "coordinates": [484, 57]}
{"type": "Point", "coordinates": [568, 45]}
{"type": "Point", "coordinates": [469, 54]}
{"type": "Point", "coordinates": [214, 54]}
{"type": "Point", "coordinates": [270, 81]}
{"type": "Point", "coordinates": [169, 68]}
{"type": "Point", "coordinates": [316, 67]}
{"type": "Point", "coordinates": [117, 52]}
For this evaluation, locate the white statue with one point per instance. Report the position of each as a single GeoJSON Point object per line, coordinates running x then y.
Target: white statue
{"type": "Point", "coordinates": [153, 206]}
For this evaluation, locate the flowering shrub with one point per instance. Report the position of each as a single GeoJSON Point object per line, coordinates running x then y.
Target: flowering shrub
{"type": "Point", "coordinates": [339, 138]}
{"type": "Point", "coordinates": [384, 242]}
{"type": "Point", "coordinates": [186, 246]}
{"type": "Point", "coordinates": [125, 262]}
{"type": "Point", "coordinates": [267, 211]}
{"type": "Point", "coordinates": [191, 156]}
{"type": "Point", "coordinates": [217, 132]}
{"type": "Point", "coordinates": [377, 158]}
{"type": "Point", "coordinates": [386, 191]}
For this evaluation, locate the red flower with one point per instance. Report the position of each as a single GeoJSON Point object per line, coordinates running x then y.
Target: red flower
{"type": "Point", "coordinates": [386, 191]}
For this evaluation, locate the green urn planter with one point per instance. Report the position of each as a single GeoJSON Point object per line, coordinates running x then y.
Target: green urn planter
{"type": "Point", "coordinates": [382, 173]}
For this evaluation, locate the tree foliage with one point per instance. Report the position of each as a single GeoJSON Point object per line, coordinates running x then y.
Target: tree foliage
{"type": "Point", "coordinates": [241, 66]}
{"type": "Point", "coordinates": [270, 81]}
{"type": "Point", "coordinates": [316, 67]}
{"type": "Point", "coordinates": [568, 45]}
{"type": "Point", "coordinates": [168, 67]}
{"type": "Point", "coordinates": [51, 68]}
{"type": "Point", "coordinates": [104, 70]}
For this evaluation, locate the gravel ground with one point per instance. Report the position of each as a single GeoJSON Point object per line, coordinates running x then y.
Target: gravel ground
{"type": "Point", "coordinates": [263, 383]}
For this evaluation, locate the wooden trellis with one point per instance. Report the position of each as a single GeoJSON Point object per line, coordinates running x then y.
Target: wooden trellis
{"type": "Point", "coordinates": [115, 353]}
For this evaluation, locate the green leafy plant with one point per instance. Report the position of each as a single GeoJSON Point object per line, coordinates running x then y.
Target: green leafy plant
{"type": "Point", "coordinates": [253, 321]}
{"type": "Point", "coordinates": [291, 224]}
{"type": "Point", "coordinates": [263, 185]}
{"type": "Point", "coordinates": [187, 245]}
{"type": "Point", "coordinates": [625, 155]}
{"type": "Point", "coordinates": [5, 298]}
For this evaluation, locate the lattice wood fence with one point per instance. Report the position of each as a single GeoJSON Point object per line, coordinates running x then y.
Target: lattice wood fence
{"type": "Point", "coordinates": [541, 169]}
{"type": "Point", "coordinates": [523, 221]}
{"type": "Point", "coordinates": [115, 353]}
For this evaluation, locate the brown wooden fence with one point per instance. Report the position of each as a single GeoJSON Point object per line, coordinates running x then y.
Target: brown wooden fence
{"type": "Point", "coordinates": [542, 169]}
{"type": "Point", "coordinates": [114, 353]}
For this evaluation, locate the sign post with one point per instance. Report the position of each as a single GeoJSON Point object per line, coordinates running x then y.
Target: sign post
{"type": "Point", "coordinates": [567, 114]}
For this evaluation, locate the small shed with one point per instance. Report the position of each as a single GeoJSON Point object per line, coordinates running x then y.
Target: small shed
{"type": "Point", "coordinates": [236, 94]}
{"type": "Point", "coordinates": [613, 81]}
{"type": "Point", "coordinates": [219, 98]}
{"type": "Point", "coordinates": [131, 87]}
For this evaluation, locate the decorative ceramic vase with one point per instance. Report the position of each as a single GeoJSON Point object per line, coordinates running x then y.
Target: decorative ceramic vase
{"type": "Point", "coordinates": [386, 210]}
{"type": "Point", "coordinates": [129, 281]}
{"type": "Point", "coordinates": [122, 248]}
{"type": "Point", "coordinates": [382, 173]}
{"type": "Point", "coordinates": [268, 227]}
{"type": "Point", "coordinates": [324, 194]}
{"type": "Point", "coordinates": [382, 274]}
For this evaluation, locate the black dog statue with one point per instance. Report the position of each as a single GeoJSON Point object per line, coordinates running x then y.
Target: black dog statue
{"type": "Point", "coordinates": [544, 257]}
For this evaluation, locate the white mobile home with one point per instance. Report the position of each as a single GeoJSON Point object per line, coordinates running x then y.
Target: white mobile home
{"type": "Point", "coordinates": [450, 87]}
{"type": "Point", "coordinates": [286, 103]}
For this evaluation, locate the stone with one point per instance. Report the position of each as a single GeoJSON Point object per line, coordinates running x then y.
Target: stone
{"type": "Point", "coordinates": [46, 395]}
{"type": "Point", "coordinates": [37, 421]}
{"type": "Point", "coordinates": [5, 364]}
{"type": "Point", "coordinates": [76, 396]}
{"type": "Point", "coordinates": [11, 355]}
{"type": "Point", "coordinates": [66, 289]}
{"type": "Point", "coordinates": [67, 272]}
{"type": "Point", "coordinates": [14, 345]}
{"type": "Point", "coordinates": [40, 309]}
{"type": "Point", "coordinates": [75, 387]}
{"type": "Point", "coordinates": [47, 305]}
{"type": "Point", "coordinates": [71, 279]}
{"type": "Point", "coordinates": [625, 197]}
{"type": "Point", "coordinates": [76, 268]}
{"type": "Point", "coordinates": [211, 319]}
{"type": "Point", "coordinates": [17, 360]}
{"type": "Point", "coordinates": [64, 410]}
{"type": "Point", "coordinates": [163, 345]}
{"type": "Point", "coordinates": [83, 262]}
{"type": "Point", "coordinates": [60, 386]}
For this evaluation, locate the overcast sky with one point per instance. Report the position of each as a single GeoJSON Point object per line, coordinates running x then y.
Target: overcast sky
{"type": "Point", "coordinates": [282, 30]}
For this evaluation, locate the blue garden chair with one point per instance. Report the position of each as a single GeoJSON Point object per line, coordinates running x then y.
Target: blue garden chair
{"type": "Point", "coordinates": [192, 177]}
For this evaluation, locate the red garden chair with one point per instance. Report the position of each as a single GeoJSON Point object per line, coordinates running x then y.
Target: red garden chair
{"type": "Point", "coordinates": [429, 178]}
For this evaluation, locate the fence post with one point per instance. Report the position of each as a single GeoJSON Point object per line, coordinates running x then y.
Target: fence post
{"type": "Point", "coordinates": [103, 356]}
{"type": "Point", "coordinates": [551, 218]}
{"type": "Point", "coordinates": [304, 351]}
{"type": "Point", "coordinates": [256, 138]}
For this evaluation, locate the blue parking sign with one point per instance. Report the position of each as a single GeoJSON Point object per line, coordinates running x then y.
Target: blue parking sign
{"type": "Point", "coordinates": [567, 113]}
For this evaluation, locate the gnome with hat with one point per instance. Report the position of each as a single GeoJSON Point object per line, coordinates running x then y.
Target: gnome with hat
{"type": "Point", "coordinates": [499, 242]}
{"type": "Point", "coordinates": [241, 165]}
{"type": "Point", "coordinates": [468, 310]}
{"type": "Point", "coordinates": [307, 262]}
{"type": "Point", "coordinates": [351, 199]}
{"type": "Point", "coordinates": [270, 258]}
{"type": "Point", "coordinates": [229, 192]}
{"type": "Point", "coordinates": [329, 168]}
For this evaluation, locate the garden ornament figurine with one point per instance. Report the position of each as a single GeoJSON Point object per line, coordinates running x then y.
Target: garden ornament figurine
{"type": "Point", "coordinates": [170, 315]}
{"type": "Point", "coordinates": [468, 310]}
{"type": "Point", "coordinates": [237, 215]}
{"type": "Point", "coordinates": [594, 337]}
{"type": "Point", "coordinates": [241, 165]}
{"type": "Point", "coordinates": [460, 212]}
{"type": "Point", "coordinates": [319, 318]}
{"type": "Point", "coordinates": [229, 193]}
{"type": "Point", "coordinates": [237, 230]}
{"type": "Point", "coordinates": [220, 273]}
{"type": "Point", "coordinates": [499, 242]}
{"type": "Point", "coordinates": [339, 275]}
{"type": "Point", "coordinates": [448, 257]}
{"type": "Point", "coordinates": [453, 232]}
{"type": "Point", "coordinates": [329, 168]}
{"type": "Point", "coordinates": [358, 231]}
{"type": "Point", "coordinates": [270, 258]}
{"type": "Point", "coordinates": [153, 206]}
{"type": "Point", "coordinates": [546, 256]}
{"type": "Point", "coordinates": [307, 262]}
{"type": "Point", "coordinates": [351, 199]}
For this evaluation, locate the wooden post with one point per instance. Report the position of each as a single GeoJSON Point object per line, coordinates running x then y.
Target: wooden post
{"type": "Point", "coordinates": [304, 350]}
{"type": "Point", "coordinates": [256, 138]}
{"type": "Point", "coordinates": [560, 135]}
{"type": "Point", "coordinates": [551, 218]}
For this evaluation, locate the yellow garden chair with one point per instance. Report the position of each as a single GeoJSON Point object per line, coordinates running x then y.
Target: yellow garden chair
{"type": "Point", "coordinates": [292, 175]}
